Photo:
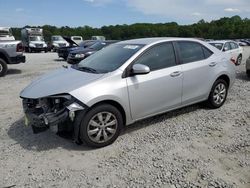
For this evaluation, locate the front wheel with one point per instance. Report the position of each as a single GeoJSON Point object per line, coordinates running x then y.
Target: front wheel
{"type": "Point", "coordinates": [3, 67]}
{"type": "Point", "coordinates": [101, 126]}
{"type": "Point", "coordinates": [218, 94]}
{"type": "Point", "coordinates": [248, 73]}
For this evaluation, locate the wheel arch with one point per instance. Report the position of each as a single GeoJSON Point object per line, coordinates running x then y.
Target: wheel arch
{"type": "Point", "coordinates": [115, 104]}
{"type": "Point", "coordinates": [224, 77]}
{"type": "Point", "coordinates": [4, 57]}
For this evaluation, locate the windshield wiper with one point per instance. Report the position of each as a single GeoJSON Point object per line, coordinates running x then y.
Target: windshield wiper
{"type": "Point", "coordinates": [88, 69]}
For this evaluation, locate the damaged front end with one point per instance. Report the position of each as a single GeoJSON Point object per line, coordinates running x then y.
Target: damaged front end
{"type": "Point", "coordinates": [54, 112]}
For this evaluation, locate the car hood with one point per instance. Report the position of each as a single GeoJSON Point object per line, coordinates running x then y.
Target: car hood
{"type": "Point", "coordinates": [60, 81]}
{"type": "Point", "coordinates": [71, 42]}
{"type": "Point", "coordinates": [60, 42]}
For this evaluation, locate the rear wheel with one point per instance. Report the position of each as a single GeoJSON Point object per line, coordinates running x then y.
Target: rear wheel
{"type": "Point", "coordinates": [239, 60]}
{"type": "Point", "coordinates": [3, 67]}
{"type": "Point", "coordinates": [218, 94]}
{"type": "Point", "coordinates": [101, 126]}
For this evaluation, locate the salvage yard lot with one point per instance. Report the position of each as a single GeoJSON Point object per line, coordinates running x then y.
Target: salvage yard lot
{"type": "Point", "coordinates": [190, 147]}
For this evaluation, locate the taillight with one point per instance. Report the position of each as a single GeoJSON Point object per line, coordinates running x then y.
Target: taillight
{"type": "Point", "coordinates": [19, 47]}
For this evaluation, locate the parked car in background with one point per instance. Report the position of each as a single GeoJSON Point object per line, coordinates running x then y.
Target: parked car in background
{"type": "Point", "coordinates": [11, 52]}
{"type": "Point", "coordinates": [231, 48]}
{"type": "Point", "coordinates": [6, 34]}
{"type": "Point", "coordinates": [126, 82]}
{"type": "Point", "coordinates": [102, 38]}
{"type": "Point", "coordinates": [248, 67]}
{"type": "Point", "coordinates": [77, 39]}
{"type": "Point", "coordinates": [75, 56]}
{"type": "Point", "coordinates": [57, 42]}
{"type": "Point", "coordinates": [63, 52]}
{"type": "Point", "coordinates": [33, 40]}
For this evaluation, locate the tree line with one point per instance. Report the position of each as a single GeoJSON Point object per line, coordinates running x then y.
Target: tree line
{"type": "Point", "coordinates": [224, 28]}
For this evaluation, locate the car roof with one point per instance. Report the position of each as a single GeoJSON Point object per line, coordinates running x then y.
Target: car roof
{"type": "Point", "coordinates": [221, 41]}
{"type": "Point", "coordinates": [147, 41]}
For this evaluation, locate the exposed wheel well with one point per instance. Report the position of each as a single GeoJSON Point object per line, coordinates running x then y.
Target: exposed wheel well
{"type": "Point", "coordinates": [2, 56]}
{"type": "Point", "coordinates": [115, 104]}
{"type": "Point", "coordinates": [226, 78]}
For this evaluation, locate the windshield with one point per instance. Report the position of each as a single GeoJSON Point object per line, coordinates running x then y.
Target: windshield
{"type": "Point", "coordinates": [217, 45]}
{"type": "Point", "coordinates": [110, 58]}
{"type": "Point", "coordinates": [5, 32]}
{"type": "Point", "coordinates": [57, 38]}
{"type": "Point", "coordinates": [76, 38]}
{"type": "Point", "coordinates": [98, 46]}
{"type": "Point", "coordinates": [36, 38]}
{"type": "Point", "coordinates": [86, 44]}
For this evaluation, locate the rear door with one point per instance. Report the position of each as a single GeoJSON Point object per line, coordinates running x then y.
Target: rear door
{"type": "Point", "coordinates": [198, 68]}
{"type": "Point", "coordinates": [161, 89]}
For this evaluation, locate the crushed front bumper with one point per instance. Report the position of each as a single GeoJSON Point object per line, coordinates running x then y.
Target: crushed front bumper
{"type": "Point", "coordinates": [41, 115]}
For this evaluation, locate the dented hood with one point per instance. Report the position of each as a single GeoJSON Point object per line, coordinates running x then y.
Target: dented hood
{"type": "Point", "coordinates": [61, 81]}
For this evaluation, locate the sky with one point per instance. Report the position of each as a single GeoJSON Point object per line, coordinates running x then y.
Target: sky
{"type": "Point", "coordinates": [98, 13]}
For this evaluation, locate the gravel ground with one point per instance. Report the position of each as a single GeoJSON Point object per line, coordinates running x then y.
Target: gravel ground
{"type": "Point", "coordinates": [190, 147]}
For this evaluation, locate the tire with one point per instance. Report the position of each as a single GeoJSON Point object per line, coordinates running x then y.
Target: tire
{"type": "Point", "coordinates": [248, 73]}
{"type": "Point", "coordinates": [3, 67]}
{"type": "Point", "coordinates": [239, 60]}
{"type": "Point", "coordinates": [217, 97]}
{"type": "Point", "coordinates": [93, 134]}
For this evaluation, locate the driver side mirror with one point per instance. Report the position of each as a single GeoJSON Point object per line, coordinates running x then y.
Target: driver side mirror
{"type": "Point", "coordinates": [139, 69]}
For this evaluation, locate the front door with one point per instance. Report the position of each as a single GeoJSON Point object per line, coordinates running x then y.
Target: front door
{"type": "Point", "coordinates": [161, 89]}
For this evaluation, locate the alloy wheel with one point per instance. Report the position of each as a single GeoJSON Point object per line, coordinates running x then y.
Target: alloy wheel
{"type": "Point", "coordinates": [219, 94]}
{"type": "Point", "coordinates": [102, 127]}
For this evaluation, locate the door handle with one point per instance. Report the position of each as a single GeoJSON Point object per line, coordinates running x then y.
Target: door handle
{"type": "Point", "coordinates": [213, 64]}
{"type": "Point", "coordinates": [175, 74]}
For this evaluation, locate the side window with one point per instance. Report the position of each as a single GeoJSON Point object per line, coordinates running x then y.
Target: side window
{"type": "Point", "coordinates": [207, 52]}
{"type": "Point", "coordinates": [232, 45]}
{"type": "Point", "coordinates": [158, 57]}
{"type": "Point", "coordinates": [227, 47]}
{"type": "Point", "coordinates": [190, 52]}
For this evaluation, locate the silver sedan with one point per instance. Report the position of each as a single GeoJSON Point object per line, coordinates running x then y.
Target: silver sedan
{"type": "Point", "coordinates": [126, 82]}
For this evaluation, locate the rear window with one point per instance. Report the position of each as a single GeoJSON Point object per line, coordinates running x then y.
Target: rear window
{"type": "Point", "coordinates": [192, 51]}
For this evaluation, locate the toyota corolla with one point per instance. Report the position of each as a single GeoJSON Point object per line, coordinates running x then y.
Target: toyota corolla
{"type": "Point", "coordinates": [126, 82]}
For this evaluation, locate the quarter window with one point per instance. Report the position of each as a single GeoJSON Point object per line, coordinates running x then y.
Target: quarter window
{"type": "Point", "coordinates": [207, 52]}
{"type": "Point", "coordinates": [192, 51]}
{"type": "Point", "coordinates": [158, 57]}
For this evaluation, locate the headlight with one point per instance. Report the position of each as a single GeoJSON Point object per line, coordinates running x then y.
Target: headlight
{"type": "Point", "coordinates": [32, 45]}
{"type": "Point", "coordinates": [55, 44]}
{"type": "Point", "coordinates": [75, 107]}
{"type": "Point", "coordinates": [80, 55]}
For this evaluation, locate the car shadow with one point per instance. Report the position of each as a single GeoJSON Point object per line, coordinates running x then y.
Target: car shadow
{"type": "Point", "coordinates": [160, 118]}
{"type": "Point", "coordinates": [242, 76]}
{"type": "Point", "coordinates": [47, 140]}
{"type": "Point", "coordinates": [14, 71]}
{"type": "Point", "coordinates": [59, 60]}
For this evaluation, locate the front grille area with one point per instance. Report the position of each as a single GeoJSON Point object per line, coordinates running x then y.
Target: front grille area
{"type": "Point", "coordinates": [39, 45]}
